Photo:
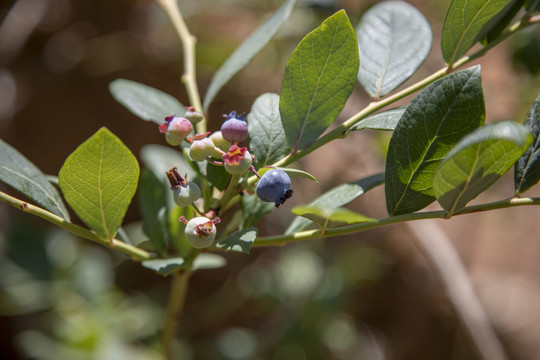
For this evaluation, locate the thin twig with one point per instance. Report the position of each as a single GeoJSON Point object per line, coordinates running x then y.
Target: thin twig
{"type": "Point", "coordinates": [177, 298]}
{"type": "Point", "coordinates": [453, 277]}
{"type": "Point", "coordinates": [134, 252]}
{"type": "Point", "coordinates": [189, 78]}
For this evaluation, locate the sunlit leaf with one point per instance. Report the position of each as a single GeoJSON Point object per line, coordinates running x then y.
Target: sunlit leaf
{"type": "Point", "coordinates": [394, 39]}
{"type": "Point", "coordinates": [477, 161]}
{"type": "Point", "coordinates": [99, 180]}
{"type": "Point", "coordinates": [319, 78]}
{"type": "Point", "coordinates": [330, 217]}
{"type": "Point", "coordinates": [336, 197]}
{"type": "Point", "coordinates": [464, 20]}
{"type": "Point", "coordinates": [436, 119]}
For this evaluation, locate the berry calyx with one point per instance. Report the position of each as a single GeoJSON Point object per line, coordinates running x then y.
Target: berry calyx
{"type": "Point", "coordinates": [193, 115]}
{"type": "Point", "coordinates": [184, 192]}
{"type": "Point", "coordinates": [176, 129]}
{"type": "Point", "coordinates": [274, 186]}
{"type": "Point", "coordinates": [201, 147]}
{"type": "Point", "coordinates": [200, 231]}
{"type": "Point", "coordinates": [235, 127]}
{"type": "Point", "coordinates": [237, 160]}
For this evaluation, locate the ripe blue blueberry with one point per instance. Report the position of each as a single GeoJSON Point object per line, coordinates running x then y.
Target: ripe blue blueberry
{"type": "Point", "coordinates": [235, 127]}
{"type": "Point", "coordinates": [274, 187]}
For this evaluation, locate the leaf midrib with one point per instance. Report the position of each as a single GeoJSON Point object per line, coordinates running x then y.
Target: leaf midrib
{"type": "Point", "coordinates": [427, 148]}
{"type": "Point", "coordinates": [306, 117]}
{"type": "Point", "coordinates": [465, 30]}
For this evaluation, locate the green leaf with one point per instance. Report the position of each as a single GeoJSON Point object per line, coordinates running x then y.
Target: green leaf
{"type": "Point", "coordinates": [464, 21]}
{"type": "Point", "coordinates": [290, 171]}
{"type": "Point", "coordinates": [319, 78]}
{"type": "Point", "coordinates": [330, 216]}
{"type": "Point", "coordinates": [245, 52]}
{"type": "Point", "coordinates": [218, 176]}
{"type": "Point", "coordinates": [394, 39]}
{"type": "Point", "coordinates": [161, 159]}
{"type": "Point", "coordinates": [240, 241]}
{"type": "Point", "coordinates": [21, 174]}
{"type": "Point", "coordinates": [477, 161]}
{"type": "Point", "coordinates": [336, 197]}
{"type": "Point", "coordinates": [494, 27]}
{"type": "Point", "coordinates": [208, 261]}
{"type": "Point", "coordinates": [436, 119]}
{"type": "Point", "coordinates": [163, 266]}
{"type": "Point", "coordinates": [267, 139]}
{"type": "Point", "coordinates": [386, 120]}
{"type": "Point", "coordinates": [99, 180]}
{"type": "Point", "coordinates": [253, 209]}
{"type": "Point", "coordinates": [153, 207]}
{"type": "Point", "coordinates": [527, 169]}
{"type": "Point", "coordinates": [146, 102]}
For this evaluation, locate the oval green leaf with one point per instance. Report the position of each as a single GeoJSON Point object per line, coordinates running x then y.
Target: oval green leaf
{"type": "Point", "coordinates": [330, 216]}
{"type": "Point", "coordinates": [436, 119]}
{"type": "Point", "coordinates": [146, 102]}
{"type": "Point", "coordinates": [319, 78]}
{"type": "Point", "coordinates": [21, 174]}
{"type": "Point", "coordinates": [99, 180]}
{"type": "Point", "coordinates": [527, 169]}
{"type": "Point", "coordinates": [239, 241]}
{"type": "Point", "coordinates": [267, 140]}
{"type": "Point", "coordinates": [464, 21]}
{"type": "Point", "coordinates": [336, 197]}
{"type": "Point", "coordinates": [386, 120]}
{"type": "Point", "coordinates": [477, 161]}
{"type": "Point", "coordinates": [394, 39]}
{"type": "Point", "coordinates": [245, 52]}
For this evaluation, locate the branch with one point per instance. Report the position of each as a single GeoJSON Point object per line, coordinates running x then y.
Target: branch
{"type": "Point", "coordinates": [189, 78]}
{"type": "Point", "coordinates": [134, 252]}
{"type": "Point", "coordinates": [349, 229]}
{"type": "Point", "coordinates": [177, 298]}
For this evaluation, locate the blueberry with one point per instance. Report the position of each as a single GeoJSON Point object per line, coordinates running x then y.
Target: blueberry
{"type": "Point", "coordinates": [235, 128]}
{"type": "Point", "coordinates": [274, 187]}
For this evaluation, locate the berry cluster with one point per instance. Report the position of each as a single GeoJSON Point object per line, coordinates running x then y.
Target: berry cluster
{"type": "Point", "coordinates": [273, 186]}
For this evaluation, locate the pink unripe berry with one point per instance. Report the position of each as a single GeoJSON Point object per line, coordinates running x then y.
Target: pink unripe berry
{"type": "Point", "coordinates": [176, 129]}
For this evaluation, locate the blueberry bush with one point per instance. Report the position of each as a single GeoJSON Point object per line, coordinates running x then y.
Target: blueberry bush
{"type": "Point", "coordinates": [202, 193]}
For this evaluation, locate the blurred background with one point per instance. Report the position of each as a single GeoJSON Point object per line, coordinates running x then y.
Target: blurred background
{"type": "Point", "coordinates": [372, 295]}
